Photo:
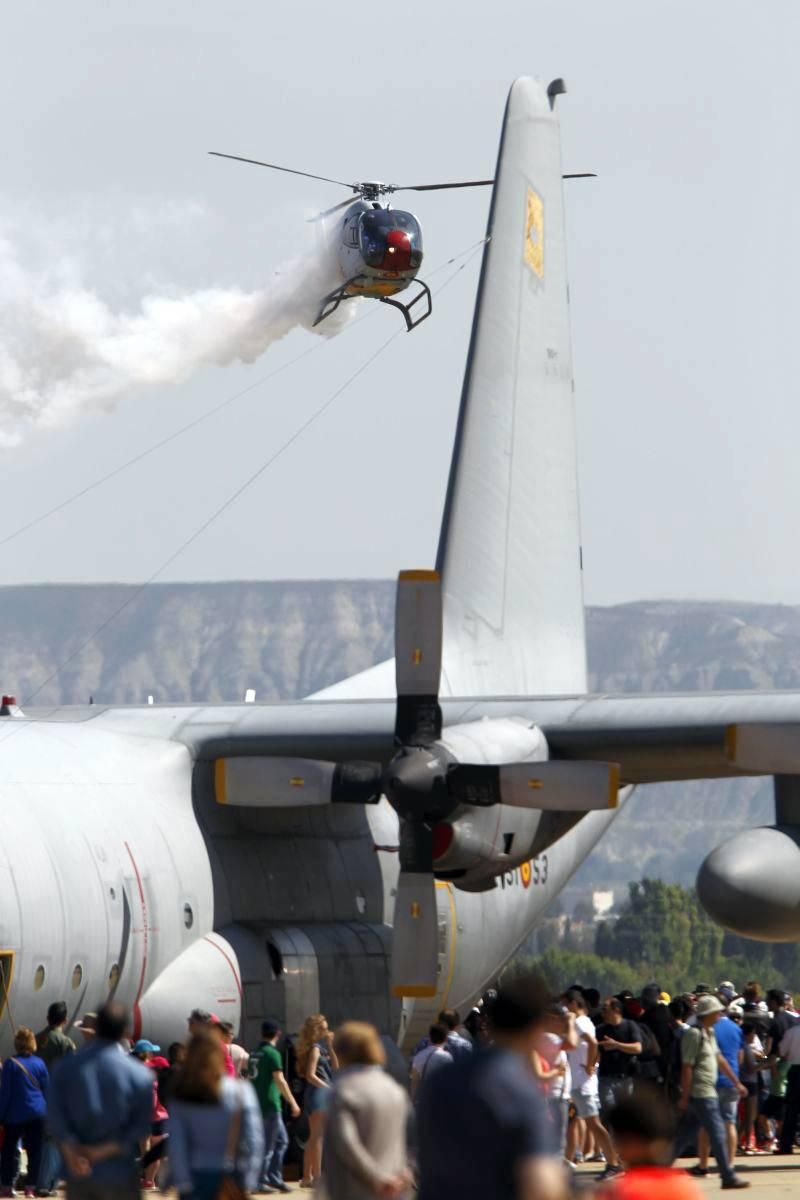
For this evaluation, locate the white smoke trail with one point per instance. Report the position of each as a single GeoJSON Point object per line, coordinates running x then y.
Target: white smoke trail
{"type": "Point", "coordinates": [63, 351]}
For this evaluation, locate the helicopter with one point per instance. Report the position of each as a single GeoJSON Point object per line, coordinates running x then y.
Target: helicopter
{"type": "Point", "coordinates": [380, 248]}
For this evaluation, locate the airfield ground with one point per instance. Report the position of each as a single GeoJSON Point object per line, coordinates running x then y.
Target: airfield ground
{"type": "Point", "coordinates": [770, 1177]}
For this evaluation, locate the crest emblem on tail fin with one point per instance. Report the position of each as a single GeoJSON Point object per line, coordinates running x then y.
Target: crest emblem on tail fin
{"type": "Point", "coordinates": [534, 233]}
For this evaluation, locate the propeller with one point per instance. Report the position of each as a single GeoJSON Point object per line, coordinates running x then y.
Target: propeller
{"type": "Point", "coordinates": [424, 782]}
{"type": "Point", "coordinates": [425, 785]}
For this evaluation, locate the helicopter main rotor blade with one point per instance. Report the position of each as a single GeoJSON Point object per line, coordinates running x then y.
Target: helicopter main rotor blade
{"type": "Point", "coordinates": [274, 167]}
{"type": "Point", "coordinates": [327, 212]}
{"type": "Point", "coordinates": [438, 187]}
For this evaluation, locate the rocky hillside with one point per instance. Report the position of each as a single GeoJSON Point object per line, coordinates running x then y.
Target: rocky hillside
{"type": "Point", "coordinates": [287, 639]}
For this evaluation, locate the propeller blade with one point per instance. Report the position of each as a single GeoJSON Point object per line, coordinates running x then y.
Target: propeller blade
{"type": "Point", "coordinates": [437, 187]}
{"type": "Point", "coordinates": [773, 749]}
{"type": "Point", "coordinates": [274, 167]}
{"type": "Point", "coordinates": [263, 782]}
{"type": "Point", "coordinates": [418, 656]}
{"type": "Point", "coordinates": [553, 786]}
{"type": "Point", "coordinates": [415, 939]}
{"type": "Point", "coordinates": [416, 847]}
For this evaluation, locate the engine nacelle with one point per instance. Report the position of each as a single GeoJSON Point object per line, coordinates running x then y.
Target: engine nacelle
{"type": "Point", "coordinates": [498, 740]}
{"type": "Point", "coordinates": [751, 884]}
{"type": "Point", "coordinates": [206, 975]}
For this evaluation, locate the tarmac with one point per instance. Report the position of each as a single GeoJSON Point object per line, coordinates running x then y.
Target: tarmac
{"type": "Point", "coordinates": [770, 1176]}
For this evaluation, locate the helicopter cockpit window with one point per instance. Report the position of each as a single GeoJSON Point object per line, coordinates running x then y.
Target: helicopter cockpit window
{"type": "Point", "coordinates": [375, 227]}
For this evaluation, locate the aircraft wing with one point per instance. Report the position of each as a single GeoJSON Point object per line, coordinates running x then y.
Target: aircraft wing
{"type": "Point", "coordinates": [655, 739]}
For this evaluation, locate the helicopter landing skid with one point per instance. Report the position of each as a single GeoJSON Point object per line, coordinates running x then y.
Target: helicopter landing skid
{"type": "Point", "coordinates": [423, 294]}
{"type": "Point", "coordinates": [332, 301]}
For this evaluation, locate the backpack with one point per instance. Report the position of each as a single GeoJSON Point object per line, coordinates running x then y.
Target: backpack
{"type": "Point", "coordinates": [650, 1047]}
{"type": "Point", "coordinates": [646, 1063]}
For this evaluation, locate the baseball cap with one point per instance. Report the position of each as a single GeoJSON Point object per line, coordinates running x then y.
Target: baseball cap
{"type": "Point", "coordinates": [145, 1047]}
{"type": "Point", "coordinates": [708, 1004]}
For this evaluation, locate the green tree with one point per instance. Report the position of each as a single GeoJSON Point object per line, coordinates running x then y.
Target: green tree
{"type": "Point", "coordinates": [653, 930]}
{"type": "Point", "coordinates": [664, 933]}
{"type": "Point", "coordinates": [560, 968]}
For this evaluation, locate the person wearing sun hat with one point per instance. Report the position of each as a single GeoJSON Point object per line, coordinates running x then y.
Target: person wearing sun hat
{"type": "Point", "coordinates": [726, 992]}
{"type": "Point", "coordinates": [701, 1063]}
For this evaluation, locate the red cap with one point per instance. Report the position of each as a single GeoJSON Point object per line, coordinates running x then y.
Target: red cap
{"type": "Point", "coordinates": [8, 701]}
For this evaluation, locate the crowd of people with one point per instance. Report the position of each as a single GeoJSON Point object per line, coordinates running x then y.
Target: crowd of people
{"type": "Point", "coordinates": [727, 1063]}
{"type": "Point", "coordinates": [503, 1105]}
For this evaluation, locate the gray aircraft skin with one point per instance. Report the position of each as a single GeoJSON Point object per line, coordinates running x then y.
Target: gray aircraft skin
{"type": "Point", "coordinates": [182, 856]}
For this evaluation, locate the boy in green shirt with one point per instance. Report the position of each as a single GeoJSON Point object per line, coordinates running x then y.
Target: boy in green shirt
{"type": "Point", "coordinates": [266, 1073]}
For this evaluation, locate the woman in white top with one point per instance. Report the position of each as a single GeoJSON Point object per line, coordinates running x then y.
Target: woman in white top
{"type": "Point", "coordinates": [551, 1068]}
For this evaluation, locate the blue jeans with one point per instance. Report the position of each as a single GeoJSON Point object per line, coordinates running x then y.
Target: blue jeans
{"type": "Point", "coordinates": [559, 1112]}
{"type": "Point", "coordinates": [52, 1168]}
{"type": "Point", "coordinates": [706, 1113]}
{"type": "Point", "coordinates": [276, 1143]}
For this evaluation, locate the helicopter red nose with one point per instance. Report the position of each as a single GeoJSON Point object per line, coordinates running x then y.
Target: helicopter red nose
{"type": "Point", "coordinates": [398, 251]}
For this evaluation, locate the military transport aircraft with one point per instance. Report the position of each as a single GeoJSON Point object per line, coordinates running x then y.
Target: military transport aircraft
{"type": "Point", "coordinates": [381, 849]}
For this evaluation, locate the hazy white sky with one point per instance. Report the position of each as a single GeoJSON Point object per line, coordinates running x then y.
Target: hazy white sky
{"type": "Point", "coordinates": [684, 255]}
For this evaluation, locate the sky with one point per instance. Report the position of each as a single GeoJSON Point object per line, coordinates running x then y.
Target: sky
{"type": "Point", "coordinates": [683, 256]}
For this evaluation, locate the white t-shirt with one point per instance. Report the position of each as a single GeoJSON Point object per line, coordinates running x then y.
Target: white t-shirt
{"type": "Point", "coordinates": [430, 1060]}
{"type": "Point", "coordinates": [240, 1058]}
{"type": "Point", "coordinates": [552, 1055]}
{"type": "Point", "coordinates": [582, 1081]}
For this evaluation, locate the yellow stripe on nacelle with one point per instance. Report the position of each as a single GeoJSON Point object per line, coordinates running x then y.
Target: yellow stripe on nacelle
{"type": "Point", "coordinates": [220, 783]}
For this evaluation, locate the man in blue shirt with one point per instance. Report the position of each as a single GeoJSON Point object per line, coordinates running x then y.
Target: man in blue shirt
{"type": "Point", "coordinates": [483, 1128]}
{"type": "Point", "coordinates": [457, 1044]}
{"type": "Point", "coordinates": [99, 1108]}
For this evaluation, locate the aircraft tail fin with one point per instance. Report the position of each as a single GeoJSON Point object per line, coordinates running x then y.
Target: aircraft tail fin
{"type": "Point", "coordinates": [509, 552]}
